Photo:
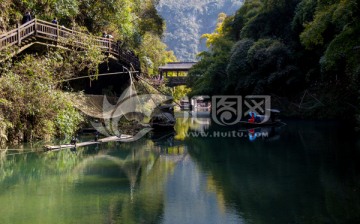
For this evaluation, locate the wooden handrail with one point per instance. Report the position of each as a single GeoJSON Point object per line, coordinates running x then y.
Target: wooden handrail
{"type": "Point", "coordinates": [51, 32]}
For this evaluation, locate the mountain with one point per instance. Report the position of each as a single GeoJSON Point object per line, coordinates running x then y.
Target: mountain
{"type": "Point", "coordinates": [187, 20]}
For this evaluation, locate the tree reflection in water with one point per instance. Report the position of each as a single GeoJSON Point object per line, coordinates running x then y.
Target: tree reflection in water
{"type": "Point", "coordinates": [120, 183]}
{"type": "Point", "coordinates": [309, 173]}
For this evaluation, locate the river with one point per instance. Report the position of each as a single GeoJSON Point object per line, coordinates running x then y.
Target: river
{"type": "Point", "coordinates": [302, 172]}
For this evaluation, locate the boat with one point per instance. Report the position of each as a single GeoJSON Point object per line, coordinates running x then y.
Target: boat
{"type": "Point", "coordinates": [256, 120]}
{"type": "Point", "coordinates": [185, 104]}
{"type": "Point", "coordinates": [163, 117]}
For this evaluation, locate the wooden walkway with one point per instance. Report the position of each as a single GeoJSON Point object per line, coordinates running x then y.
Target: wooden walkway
{"type": "Point", "coordinates": [42, 32]}
{"type": "Point", "coordinates": [122, 138]}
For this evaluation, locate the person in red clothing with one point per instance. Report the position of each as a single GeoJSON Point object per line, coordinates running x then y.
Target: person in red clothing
{"type": "Point", "coordinates": [252, 117]}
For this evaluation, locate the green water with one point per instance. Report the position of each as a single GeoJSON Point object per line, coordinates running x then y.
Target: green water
{"type": "Point", "coordinates": [304, 172]}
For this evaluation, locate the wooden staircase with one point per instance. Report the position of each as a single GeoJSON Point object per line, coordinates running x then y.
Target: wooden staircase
{"type": "Point", "coordinates": [42, 32]}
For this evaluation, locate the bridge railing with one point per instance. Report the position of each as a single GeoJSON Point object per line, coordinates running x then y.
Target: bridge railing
{"type": "Point", "coordinates": [17, 35]}
{"type": "Point", "coordinates": [176, 80]}
{"type": "Point", "coordinates": [58, 34]}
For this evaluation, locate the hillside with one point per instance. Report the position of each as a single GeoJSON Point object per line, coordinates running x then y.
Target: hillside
{"type": "Point", "coordinates": [304, 53]}
{"type": "Point", "coordinates": [33, 101]}
{"type": "Point", "coordinates": [186, 21]}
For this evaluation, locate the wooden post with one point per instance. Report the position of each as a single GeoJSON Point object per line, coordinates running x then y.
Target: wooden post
{"type": "Point", "coordinates": [109, 46]}
{"type": "Point", "coordinates": [35, 28]}
{"type": "Point", "coordinates": [18, 34]}
{"type": "Point", "coordinates": [57, 33]}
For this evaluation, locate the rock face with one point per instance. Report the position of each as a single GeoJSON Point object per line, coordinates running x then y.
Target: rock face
{"type": "Point", "coordinates": [187, 20]}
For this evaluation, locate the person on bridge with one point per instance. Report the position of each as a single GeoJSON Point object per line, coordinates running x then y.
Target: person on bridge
{"type": "Point", "coordinates": [54, 21]}
{"type": "Point", "coordinates": [106, 35]}
{"type": "Point", "coordinates": [26, 18]}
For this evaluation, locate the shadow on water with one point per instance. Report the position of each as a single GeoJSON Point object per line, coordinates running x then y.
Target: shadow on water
{"type": "Point", "coordinates": [310, 174]}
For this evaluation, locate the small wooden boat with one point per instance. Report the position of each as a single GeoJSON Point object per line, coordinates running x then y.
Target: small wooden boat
{"type": "Point", "coordinates": [121, 138]}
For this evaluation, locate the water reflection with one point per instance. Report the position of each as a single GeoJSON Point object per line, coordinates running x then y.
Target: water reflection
{"type": "Point", "coordinates": [300, 173]}
{"type": "Point", "coordinates": [102, 186]}
{"type": "Point", "coordinates": [310, 174]}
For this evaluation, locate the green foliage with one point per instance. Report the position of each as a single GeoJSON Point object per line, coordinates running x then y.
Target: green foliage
{"type": "Point", "coordinates": [129, 21]}
{"type": "Point", "coordinates": [154, 54]}
{"type": "Point", "coordinates": [285, 48]}
{"type": "Point", "coordinates": [340, 55]}
{"type": "Point", "coordinates": [247, 12]}
{"type": "Point", "coordinates": [179, 92]}
{"type": "Point", "coordinates": [66, 8]}
{"type": "Point", "coordinates": [32, 106]}
{"type": "Point", "coordinates": [238, 67]}
{"type": "Point", "coordinates": [270, 22]}
{"type": "Point", "coordinates": [335, 28]}
{"type": "Point", "coordinates": [313, 33]}
{"type": "Point", "coordinates": [187, 20]}
{"type": "Point", "coordinates": [212, 39]}
{"type": "Point", "coordinates": [4, 126]}
{"type": "Point", "coordinates": [262, 66]}
{"type": "Point", "coordinates": [151, 20]}
{"type": "Point", "coordinates": [303, 14]}
{"type": "Point", "coordinates": [68, 119]}
{"type": "Point", "coordinates": [268, 55]}
{"type": "Point", "coordinates": [208, 76]}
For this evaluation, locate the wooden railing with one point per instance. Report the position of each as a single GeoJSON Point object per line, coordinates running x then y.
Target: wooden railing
{"type": "Point", "coordinates": [61, 35]}
{"type": "Point", "coordinates": [176, 80]}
